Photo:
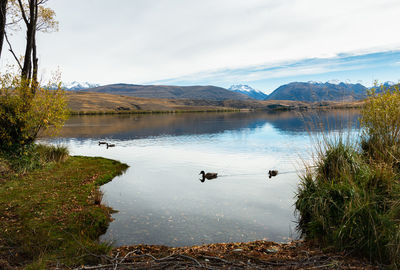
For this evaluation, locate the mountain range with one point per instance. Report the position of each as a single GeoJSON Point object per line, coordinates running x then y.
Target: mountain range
{"type": "Point", "coordinates": [317, 91]}
{"type": "Point", "coordinates": [296, 91]}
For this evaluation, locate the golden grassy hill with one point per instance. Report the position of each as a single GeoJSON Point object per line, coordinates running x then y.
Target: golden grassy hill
{"type": "Point", "coordinates": [91, 102]}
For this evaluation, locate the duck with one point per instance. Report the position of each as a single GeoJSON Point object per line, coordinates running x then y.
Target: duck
{"type": "Point", "coordinates": [110, 145]}
{"type": "Point", "coordinates": [272, 173]}
{"type": "Point", "coordinates": [208, 176]}
{"type": "Point", "coordinates": [101, 142]}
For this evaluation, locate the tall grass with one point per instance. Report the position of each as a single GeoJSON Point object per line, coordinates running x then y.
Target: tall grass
{"type": "Point", "coordinates": [30, 157]}
{"type": "Point", "coordinates": [350, 200]}
{"type": "Point", "coordinates": [50, 153]}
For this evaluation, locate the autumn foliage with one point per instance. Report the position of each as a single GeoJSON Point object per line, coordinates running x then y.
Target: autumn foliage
{"type": "Point", "coordinates": [28, 109]}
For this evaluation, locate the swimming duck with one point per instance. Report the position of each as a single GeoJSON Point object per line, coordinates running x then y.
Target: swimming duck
{"type": "Point", "coordinates": [208, 176]}
{"type": "Point", "coordinates": [101, 142]}
{"type": "Point", "coordinates": [272, 173]}
{"type": "Point", "coordinates": [110, 145]}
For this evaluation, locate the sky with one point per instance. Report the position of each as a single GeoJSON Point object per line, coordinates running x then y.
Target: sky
{"type": "Point", "coordinates": [262, 43]}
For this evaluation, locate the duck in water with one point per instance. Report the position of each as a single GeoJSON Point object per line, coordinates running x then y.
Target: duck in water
{"type": "Point", "coordinates": [101, 142]}
{"type": "Point", "coordinates": [208, 176]}
{"type": "Point", "coordinates": [110, 145]}
{"type": "Point", "coordinates": [272, 173]}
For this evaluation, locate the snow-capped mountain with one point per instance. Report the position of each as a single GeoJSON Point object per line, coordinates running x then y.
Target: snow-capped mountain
{"type": "Point", "coordinates": [249, 91]}
{"type": "Point", "coordinates": [79, 85]}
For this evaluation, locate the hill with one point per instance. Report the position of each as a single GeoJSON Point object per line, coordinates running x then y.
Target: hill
{"type": "Point", "coordinates": [208, 92]}
{"type": "Point", "coordinates": [316, 92]}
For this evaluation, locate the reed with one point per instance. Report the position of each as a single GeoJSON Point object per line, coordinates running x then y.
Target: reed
{"type": "Point", "coordinates": [350, 200]}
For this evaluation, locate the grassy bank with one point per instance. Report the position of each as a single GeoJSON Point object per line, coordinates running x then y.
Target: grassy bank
{"type": "Point", "coordinates": [52, 214]}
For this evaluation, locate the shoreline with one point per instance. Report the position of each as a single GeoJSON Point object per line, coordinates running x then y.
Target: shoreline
{"type": "Point", "coordinates": [278, 109]}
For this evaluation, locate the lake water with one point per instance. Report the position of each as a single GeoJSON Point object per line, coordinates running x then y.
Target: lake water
{"type": "Point", "coordinates": [161, 200]}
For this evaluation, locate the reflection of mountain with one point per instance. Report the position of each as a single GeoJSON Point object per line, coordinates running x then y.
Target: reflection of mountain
{"type": "Point", "coordinates": [125, 127]}
{"type": "Point", "coordinates": [316, 121]}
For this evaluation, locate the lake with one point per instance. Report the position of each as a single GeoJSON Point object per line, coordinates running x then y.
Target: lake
{"type": "Point", "coordinates": [161, 200]}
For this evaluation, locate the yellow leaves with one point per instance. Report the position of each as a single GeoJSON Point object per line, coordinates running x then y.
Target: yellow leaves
{"type": "Point", "coordinates": [24, 114]}
{"type": "Point", "coordinates": [46, 21]}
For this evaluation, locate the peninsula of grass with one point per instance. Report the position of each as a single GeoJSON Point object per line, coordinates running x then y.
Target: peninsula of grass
{"type": "Point", "coordinates": [52, 215]}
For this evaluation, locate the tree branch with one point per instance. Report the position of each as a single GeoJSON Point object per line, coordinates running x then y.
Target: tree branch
{"type": "Point", "coordinates": [11, 50]}
{"type": "Point", "coordinates": [21, 6]}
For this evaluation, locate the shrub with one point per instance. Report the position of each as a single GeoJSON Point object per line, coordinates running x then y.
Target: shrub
{"type": "Point", "coordinates": [380, 120]}
{"type": "Point", "coordinates": [351, 200]}
{"type": "Point", "coordinates": [26, 111]}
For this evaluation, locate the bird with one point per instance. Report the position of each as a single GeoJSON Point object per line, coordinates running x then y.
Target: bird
{"type": "Point", "coordinates": [208, 176]}
{"type": "Point", "coordinates": [101, 142]}
{"type": "Point", "coordinates": [110, 145]}
{"type": "Point", "coordinates": [272, 173]}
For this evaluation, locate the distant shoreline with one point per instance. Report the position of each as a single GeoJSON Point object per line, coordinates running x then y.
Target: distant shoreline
{"type": "Point", "coordinates": [90, 103]}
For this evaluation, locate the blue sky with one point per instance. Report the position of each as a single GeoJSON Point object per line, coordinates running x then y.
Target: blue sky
{"type": "Point", "coordinates": [263, 43]}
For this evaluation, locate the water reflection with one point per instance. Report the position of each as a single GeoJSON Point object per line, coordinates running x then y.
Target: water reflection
{"type": "Point", "coordinates": [160, 199]}
{"type": "Point", "coordinates": [127, 127]}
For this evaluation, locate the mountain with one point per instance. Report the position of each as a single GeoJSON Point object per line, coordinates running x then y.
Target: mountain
{"type": "Point", "coordinates": [249, 91]}
{"type": "Point", "coordinates": [208, 92]}
{"type": "Point", "coordinates": [318, 91]}
{"type": "Point", "coordinates": [78, 86]}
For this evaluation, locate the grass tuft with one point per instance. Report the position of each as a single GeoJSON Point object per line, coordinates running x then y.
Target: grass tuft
{"type": "Point", "coordinates": [52, 153]}
{"type": "Point", "coordinates": [351, 201]}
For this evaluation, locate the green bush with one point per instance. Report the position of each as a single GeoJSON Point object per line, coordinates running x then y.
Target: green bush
{"type": "Point", "coordinates": [351, 199]}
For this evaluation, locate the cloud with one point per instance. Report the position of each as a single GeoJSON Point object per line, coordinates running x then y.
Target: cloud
{"type": "Point", "coordinates": [308, 69]}
{"type": "Point", "coordinates": [138, 41]}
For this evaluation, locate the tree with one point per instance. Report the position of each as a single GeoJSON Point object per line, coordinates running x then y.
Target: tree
{"type": "Point", "coordinates": [26, 107]}
{"type": "Point", "coordinates": [37, 18]}
{"type": "Point", "coordinates": [3, 13]}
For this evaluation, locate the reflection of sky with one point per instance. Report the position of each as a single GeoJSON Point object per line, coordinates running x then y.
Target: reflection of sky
{"type": "Point", "coordinates": [161, 200]}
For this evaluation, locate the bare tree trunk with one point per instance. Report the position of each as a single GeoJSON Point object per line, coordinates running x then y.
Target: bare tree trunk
{"type": "Point", "coordinates": [30, 35]}
{"type": "Point", "coordinates": [34, 51]}
{"type": "Point", "coordinates": [35, 67]}
{"type": "Point", "coordinates": [3, 10]}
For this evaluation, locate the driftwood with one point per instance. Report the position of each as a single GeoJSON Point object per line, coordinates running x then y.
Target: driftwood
{"type": "Point", "coordinates": [248, 257]}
